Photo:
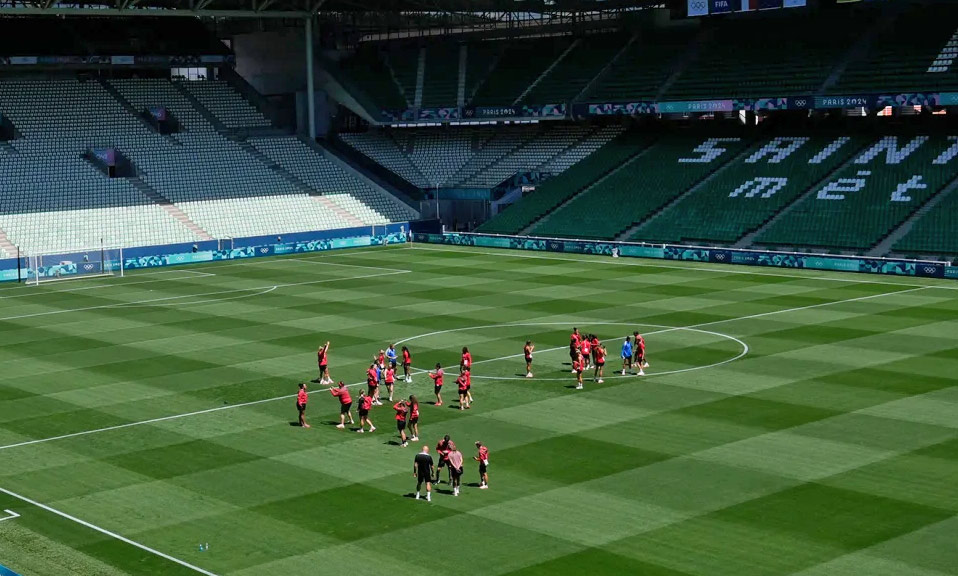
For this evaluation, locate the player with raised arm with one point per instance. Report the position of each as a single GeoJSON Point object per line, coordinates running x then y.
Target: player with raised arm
{"type": "Point", "coordinates": [626, 355]}
{"type": "Point", "coordinates": [422, 469]}
{"type": "Point", "coordinates": [406, 364]}
{"type": "Point", "coordinates": [365, 405]}
{"type": "Point", "coordinates": [414, 417]}
{"type": "Point", "coordinates": [402, 411]}
{"type": "Point", "coordinates": [302, 397]}
{"type": "Point", "coordinates": [527, 351]}
{"type": "Point", "coordinates": [483, 459]}
{"type": "Point", "coordinates": [322, 358]}
{"type": "Point", "coordinates": [437, 383]}
{"type": "Point", "coordinates": [594, 340]}
{"type": "Point", "coordinates": [600, 353]}
{"type": "Point", "coordinates": [381, 365]}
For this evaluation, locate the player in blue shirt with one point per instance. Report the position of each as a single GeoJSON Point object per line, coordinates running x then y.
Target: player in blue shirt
{"type": "Point", "coordinates": [626, 355]}
{"type": "Point", "coordinates": [391, 356]}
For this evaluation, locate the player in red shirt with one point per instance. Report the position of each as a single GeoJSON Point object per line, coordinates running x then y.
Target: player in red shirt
{"type": "Point", "coordinates": [574, 340]}
{"type": "Point", "coordinates": [302, 397]}
{"type": "Point", "coordinates": [586, 347]}
{"type": "Point", "coordinates": [402, 410]}
{"type": "Point", "coordinates": [381, 362]}
{"type": "Point", "coordinates": [372, 384]}
{"type": "Point", "coordinates": [365, 405]}
{"type": "Point", "coordinates": [600, 353]}
{"type": "Point", "coordinates": [322, 358]}
{"type": "Point", "coordinates": [465, 365]}
{"type": "Point", "coordinates": [640, 354]}
{"type": "Point", "coordinates": [414, 417]}
{"type": "Point", "coordinates": [527, 351]}
{"type": "Point", "coordinates": [594, 340]}
{"type": "Point", "coordinates": [483, 459]}
{"type": "Point", "coordinates": [578, 365]}
{"type": "Point", "coordinates": [390, 381]}
{"type": "Point", "coordinates": [406, 364]}
{"type": "Point", "coordinates": [443, 448]}
{"type": "Point", "coordinates": [345, 404]}
{"type": "Point", "coordinates": [463, 382]}
{"type": "Point", "coordinates": [437, 383]}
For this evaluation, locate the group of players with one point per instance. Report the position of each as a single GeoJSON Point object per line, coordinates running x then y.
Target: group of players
{"type": "Point", "coordinates": [450, 458]}
{"type": "Point", "coordinates": [586, 351]}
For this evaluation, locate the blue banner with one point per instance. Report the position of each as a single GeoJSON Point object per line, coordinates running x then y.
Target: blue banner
{"type": "Point", "coordinates": [720, 6]}
{"type": "Point", "coordinates": [697, 254]}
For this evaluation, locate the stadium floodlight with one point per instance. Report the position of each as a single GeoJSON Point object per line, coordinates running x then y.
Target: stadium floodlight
{"type": "Point", "coordinates": [75, 264]}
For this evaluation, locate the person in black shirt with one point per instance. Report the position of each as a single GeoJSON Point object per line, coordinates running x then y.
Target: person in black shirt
{"type": "Point", "coordinates": [422, 469]}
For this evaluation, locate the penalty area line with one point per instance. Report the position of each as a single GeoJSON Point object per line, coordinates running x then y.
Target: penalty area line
{"type": "Point", "coordinates": [106, 532]}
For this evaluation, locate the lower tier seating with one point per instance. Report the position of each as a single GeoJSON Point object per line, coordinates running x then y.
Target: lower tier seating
{"type": "Point", "coordinates": [750, 190]}
{"type": "Point", "coordinates": [555, 191]}
{"type": "Point", "coordinates": [641, 186]}
{"type": "Point", "coordinates": [864, 201]}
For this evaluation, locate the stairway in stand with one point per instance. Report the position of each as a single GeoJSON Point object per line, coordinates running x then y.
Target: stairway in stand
{"type": "Point", "coordinates": [171, 208]}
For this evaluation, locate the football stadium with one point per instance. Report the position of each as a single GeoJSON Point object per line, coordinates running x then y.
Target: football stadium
{"type": "Point", "coordinates": [479, 287]}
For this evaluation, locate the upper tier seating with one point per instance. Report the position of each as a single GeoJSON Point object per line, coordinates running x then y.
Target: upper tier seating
{"type": "Point", "coordinates": [767, 58]}
{"type": "Point", "coordinates": [368, 71]}
{"type": "Point", "coordinates": [643, 68]}
{"type": "Point", "coordinates": [441, 75]}
{"type": "Point", "coordinates": [868, 198]}
{"type": "Point", "coordinates": [571, 75]}
{"type": "Point", "coordinates": [521, 63]}
{"type": "Point", "coordinates": [641, 186]}
{"type": "Point", "coordinates": [555, 191]}
{"type": "Point", "coordinates": [916, 53]}
{"type": "Point", "coordinates": [750, 190]}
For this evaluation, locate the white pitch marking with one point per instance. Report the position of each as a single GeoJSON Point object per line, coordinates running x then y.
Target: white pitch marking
{"type": "Point", "coordinates": [215, 301]}
{"type": "Point", "coordinates": [731, 270]}
{"type": "Point", "coordinates": [106, 532]}
{"type": "Point", "coordinates": [288, 396]}
{"type": "Point", "coordinates": [742, 354]}
{"type": "Point", "coordinates": [10, 515]}
{"type": "Point", "coordinates": [119, 304]}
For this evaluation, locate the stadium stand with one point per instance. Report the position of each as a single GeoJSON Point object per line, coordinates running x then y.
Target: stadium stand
{"type": "Point", "coordinates": [571, 75]}
{"type": "Point", "coordinates": [53, 198]}
{"type": "Point", "coordinates": [367, 69]}
{"type": "Point", "coordinates": [751, 190]}
{"type": "Point", "coordinates": [641, 186]}
{"type": "Point", "coordinates": [441, 75]}
{"type": "Point", "coordinates": [774, 57]}
{"type": "Point", "coordinates": [226, 104]}
{"type": "Point", "coordinates": [521, 63]}
{"type": "Point", "coordinates": [478, 157]}
{"type": "Point", "coordinates": [643, 67]}
{"type": "Point", "coordinates": [864, 201]}
{"type": "Point", "coordinates": [481, 58]}
{"type": "Point", "coordinates": [403, 65]}
{"type": "Point", "coordinates": [934, 232]}
{"type": "Point", "coordinates": [187, 186]}
{"type": "Point", "coordinates": [351, 194]}
{"type": "Point", "coordinates": [914, 54]}
{"type": "Point", "coordinates": [553, 192]}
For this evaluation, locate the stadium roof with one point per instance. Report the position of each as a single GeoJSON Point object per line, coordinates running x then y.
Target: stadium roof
{"type": "Point", "coordinates": [303, 8]}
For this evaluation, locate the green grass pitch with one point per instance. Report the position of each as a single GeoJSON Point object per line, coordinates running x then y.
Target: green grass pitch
{"type": "Point", "coordinates": [791, 423]}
